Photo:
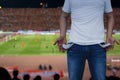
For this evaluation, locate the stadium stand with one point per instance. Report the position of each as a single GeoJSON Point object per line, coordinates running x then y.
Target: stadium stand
{"type": "Point", "coordinates": [14, 19]}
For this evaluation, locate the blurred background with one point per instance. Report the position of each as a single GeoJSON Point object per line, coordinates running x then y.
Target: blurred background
{"type": "Point", "coordinates": [30, 27]}
{"type": "Point", "coordinates": [37, 3]}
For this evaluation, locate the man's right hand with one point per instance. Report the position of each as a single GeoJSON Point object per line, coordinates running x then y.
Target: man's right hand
{"type": "Point", "coordinates": [60, 41]}
{"type": "Point", "coordinates": [110, 40]}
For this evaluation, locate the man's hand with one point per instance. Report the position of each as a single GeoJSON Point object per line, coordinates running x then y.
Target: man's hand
{"type": "Point", "coordinates": [60, 41]}
{"type": "Point", "coordinates": [63, 25]}
{"type": "Point", "coordinates": [111, 41]}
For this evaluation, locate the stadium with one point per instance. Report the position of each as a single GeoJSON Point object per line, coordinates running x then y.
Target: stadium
{"type": "Point", "coordinates": [27, 35]}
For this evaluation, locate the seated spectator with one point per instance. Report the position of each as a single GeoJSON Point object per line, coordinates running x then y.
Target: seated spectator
{"type": "Point", "coordinates": [4, 74]}
{"type": "Point", "coordinates": [90, 78]}
{"type": "Point", "coordinates": [37, 78]}
{"type": "Point", "coordinates": [40, 67]}
{"type": "Point", "coordinates": [114, 71]}
{"type": "Point", "coordinates": [26, 77]}
{"type": "Point", "coordinates": [56, 76]}
{"type": "Point", "coordinates": [113, 78]}
{"type": "Point", "coordinates": [50, 67]}
{"type": "Point", "coordinates": [44, 67]}
{"type": "Point", "coordinates": [15, 74]}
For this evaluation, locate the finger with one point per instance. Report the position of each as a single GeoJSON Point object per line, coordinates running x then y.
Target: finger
{"type": "Point", "coordinates": [108, 48]}
{"type": "Point", "coordinates": [61, 49]}
{"type": "Point", "coordinates": [55, 42]}
{"type": "Point", "coordinates": [112, 46]}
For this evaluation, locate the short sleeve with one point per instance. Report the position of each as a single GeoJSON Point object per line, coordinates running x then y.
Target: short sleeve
{"type": "Point", "coordinates": [66, 7]}
{"type": "Point", "coordinates": [108, 7]}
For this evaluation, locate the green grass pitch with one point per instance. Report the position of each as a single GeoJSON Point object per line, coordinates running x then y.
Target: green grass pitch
{"type": "Point", "coordinates": [29, 45]}
{"type": "Point", "coordinates": [37, 45]}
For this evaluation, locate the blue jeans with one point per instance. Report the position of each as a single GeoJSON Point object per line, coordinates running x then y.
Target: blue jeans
{"type": "Point", "coordinates": [96, 56]}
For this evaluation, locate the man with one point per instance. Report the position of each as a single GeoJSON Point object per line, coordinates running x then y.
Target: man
{"type": "Point", "coordinates": [86, 36]}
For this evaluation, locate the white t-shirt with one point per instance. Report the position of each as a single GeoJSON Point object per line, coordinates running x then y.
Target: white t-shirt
{"type": "Point", "coordinates": [87, 25]}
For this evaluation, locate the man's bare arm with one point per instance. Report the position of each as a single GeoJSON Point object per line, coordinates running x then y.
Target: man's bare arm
{"type": "Point", "coordinates": [63, 24]}
{"type": "Point", "coordinates": [110, 25]}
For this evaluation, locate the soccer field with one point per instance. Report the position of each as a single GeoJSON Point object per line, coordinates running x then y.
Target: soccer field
{"type": "Point", "coordinates": [37, 45]}
{"type": "Point", "coordinates": [29, 45]}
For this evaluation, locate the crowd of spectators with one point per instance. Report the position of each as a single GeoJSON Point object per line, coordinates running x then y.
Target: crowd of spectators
{"type": "Point", "coordinates": [4, 75]}
{"type": "Point", "coordinates": [29, 19]}
{"type": "Point", "coordinates": [14, 19]}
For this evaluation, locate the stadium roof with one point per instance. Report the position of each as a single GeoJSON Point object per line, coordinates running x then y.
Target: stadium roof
{"type": "Point", "coordinates": [38, 3]}
{"type": "Point", "coordinates": [30, 3]}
